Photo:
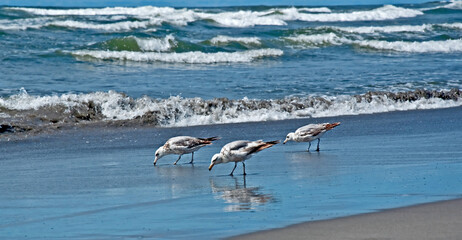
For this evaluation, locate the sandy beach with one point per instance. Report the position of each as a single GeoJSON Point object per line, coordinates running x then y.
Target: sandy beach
{"type": "Point", "coordinates": [439, 220]}
{"type": "Point", "coordinates": [99, 182]}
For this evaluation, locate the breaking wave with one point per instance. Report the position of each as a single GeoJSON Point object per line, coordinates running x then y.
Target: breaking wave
{"type": "Point", "coordinates": [448, 46]}
{"type": "Point", "coordinates": [220, 39]}
{"type": "Point", "coordinates": [457, 5]}
{"type": "Point", "coordinates": [386, 12]}
{"type": "Point", "coordinates": [185, 57]}
{"type": "Point", "coordinates": [112, 106]}
{"type": "Point", "coordinates": [37, 23]}
{"type": "Point", "coordinates": [156, 44]}
{"type": "Point", "coordinates": [397, 28]}
{"type": "Point", "coordinates": [242, 18]}
{"type": "Point", "coordinates": [316, 40]}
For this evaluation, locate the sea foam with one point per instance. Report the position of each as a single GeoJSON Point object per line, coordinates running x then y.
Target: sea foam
{"type": "Point", "coordinates": [156, 44]}
{"type": "Point", "coordinates": [240, 18]}
{"type": "Point", "coordinates": [448, 46]}
{"type": "Point", "coordinates": [179, 111]}
{"type": "Point", "coordinates": [185, 57]}
{"type": "Point", "coordinates": [386, 12]}
{"type": "Point", "coordinates": [318, 39]}
{"type": "Point", "coordinates": [221, 39]}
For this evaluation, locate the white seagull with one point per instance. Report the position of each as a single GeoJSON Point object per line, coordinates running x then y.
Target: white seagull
{"type": "Point", "coordinates": [310, 133]}
{"type": "Point", "coordinates": [182, 145]}
{"type": "Point", "coordinates": [239, 151]}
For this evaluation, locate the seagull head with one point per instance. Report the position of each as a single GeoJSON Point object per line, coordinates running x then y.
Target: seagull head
{"type": "Point", "coordinates": [216, 159]}
{"type": "Point", "coordinates": [159, 153]}
{"type": "Point", "coordinates": [289, 137]}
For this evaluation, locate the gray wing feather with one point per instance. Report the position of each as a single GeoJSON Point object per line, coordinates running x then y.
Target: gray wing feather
{"type": "Point", "coordinates": [311, 129]}
{"type": "Point", "coordinates": [184, 142]}
{"type": "Point", "coordinates": [238, 144]}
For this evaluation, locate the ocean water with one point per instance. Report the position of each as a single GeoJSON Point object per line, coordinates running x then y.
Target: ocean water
{"type": "Point", "coordinates": [168, 66]}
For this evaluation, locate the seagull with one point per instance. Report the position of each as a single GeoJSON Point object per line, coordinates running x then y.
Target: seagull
{"type": "Point", "coordinates": [310, 133]}
{"type": "Point", "coordinates": [182, 145]}
{"type": "Point", "coordinates": [239, 151]}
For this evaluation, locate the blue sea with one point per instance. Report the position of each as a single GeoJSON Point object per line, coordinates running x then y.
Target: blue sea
{"type": "Point", "coordinates": [169, 66]}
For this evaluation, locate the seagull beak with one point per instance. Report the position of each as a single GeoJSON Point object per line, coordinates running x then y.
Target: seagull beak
{"type": "Point", "coordinates": [155, 161]}
{"type": "Point", "coordinates": [285, 141]}
{"type": "Point", "coordinates": [211, 166]}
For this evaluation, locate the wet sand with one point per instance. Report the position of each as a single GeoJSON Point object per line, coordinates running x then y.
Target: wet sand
{"type": "Point", "coordinates": [99, 182]}
{"type": "Point", "coordinates": [440, 220]}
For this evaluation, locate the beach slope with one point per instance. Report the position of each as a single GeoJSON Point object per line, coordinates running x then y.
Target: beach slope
{"type": "Point", "coordinates": [441, 220]}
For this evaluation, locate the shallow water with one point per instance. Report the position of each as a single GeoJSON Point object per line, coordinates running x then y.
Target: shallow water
{"type": "Point", "coordinates": [100, 183]}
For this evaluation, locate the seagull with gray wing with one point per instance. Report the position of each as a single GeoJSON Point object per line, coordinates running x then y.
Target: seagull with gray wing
{"type": "Point", "coordinates": [182, 145]}
{"type": "Point", "coordinates": [239, 151]}
{"type": "Point", "coordinates": [310, 133]}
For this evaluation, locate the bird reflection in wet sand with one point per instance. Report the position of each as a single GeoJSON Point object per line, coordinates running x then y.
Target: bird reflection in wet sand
{"type": "Point", "coordinates": [239, 196]}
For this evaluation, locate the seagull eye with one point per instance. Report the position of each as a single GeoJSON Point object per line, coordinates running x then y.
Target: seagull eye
{"type": "Point", "coordinates": [157, 154]}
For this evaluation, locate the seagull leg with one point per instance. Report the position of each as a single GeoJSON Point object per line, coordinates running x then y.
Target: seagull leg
{"type": "Point", "coordinates": [235, 165]}
{"type": "Point", "coordinates": [243, 165]}
{"type": "Point", "coordinates": [177, 160]}
{"type": "Point", "coordinates": [317, 149]}
{"type": "Point", "coordinates": [309, 146]}
{"type": "Point", "coordinates": [192, 158]}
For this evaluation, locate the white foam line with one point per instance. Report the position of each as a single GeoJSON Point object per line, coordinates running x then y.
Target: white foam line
{"type": "Point", "coordinates": [319, 39]}
{"type": "Point", "coordinates": [448, 46]}
{"type": "Point", "coordinates": [226, 39]}
{"type": "Point", "coordinates": [241, 18]}
{"type": "Point", "coordinates": [386, 12]}
{"type": "Point", "coordinates": [178, 111]}
{"type": "Point", "coordinates": [186, 57]}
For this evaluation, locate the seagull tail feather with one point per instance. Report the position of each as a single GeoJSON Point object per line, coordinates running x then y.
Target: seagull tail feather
{"type": "Point", "coordinates": [209, 140]}
{"type": "Point", "coordinates": [263, 145]}
{"type": "Point", "coordinates": [329, 126]}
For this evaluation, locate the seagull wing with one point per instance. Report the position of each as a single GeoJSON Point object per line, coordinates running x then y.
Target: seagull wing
{"type": "Point", "coordinates": [234, 146]}
{"type": "Point", "coordinates": [184, 142]}
{"type": "Point", "coordinates": [311, 130]}
{"type": "Point", "coordinates": [246, 148]}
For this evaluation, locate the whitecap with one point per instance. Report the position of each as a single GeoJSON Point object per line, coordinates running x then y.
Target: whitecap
{"type": "Point", "coordinates": [156, 44]}
{"type": "Point", "coordinates": [185, 57]}
{"type": "Point", "coordinates": [386, 12]}
{"type": "Point", "coordinates": [318, 39]}
{"type": "Point", "coordinates": [112, 27]}
{"type": "Point", "coordinates": [386, 29]}
{"type": "Point", "coordinates": [448, 46]}
{"type": "Point", "coordinates": [318, 10]}
{"type": "Point", "coordinates": [220, 39]}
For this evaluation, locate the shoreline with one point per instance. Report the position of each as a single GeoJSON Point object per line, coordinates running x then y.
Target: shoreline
{"type": "Point", "coordinates": [434, 220]}
{"type": "Point", "coordinates": [46, 118]}
{"type": "Point", "coordinates": [135, 124]}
